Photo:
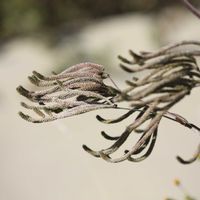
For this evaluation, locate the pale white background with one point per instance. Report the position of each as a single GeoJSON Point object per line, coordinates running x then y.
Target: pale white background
{"type": "Point", "coordinates": [46, 161]}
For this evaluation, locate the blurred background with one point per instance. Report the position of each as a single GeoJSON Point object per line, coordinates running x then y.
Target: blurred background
{"type": "Point", "coordinates": [46, 161]}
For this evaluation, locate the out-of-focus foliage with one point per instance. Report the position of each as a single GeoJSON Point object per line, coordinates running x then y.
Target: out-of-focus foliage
{"type": "Point", "coordinates": [179, 185]}
{"type": "Point", "coordinates": [50, 16]}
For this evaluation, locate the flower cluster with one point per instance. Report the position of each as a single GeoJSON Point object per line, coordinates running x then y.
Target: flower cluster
{"type": "Point", "coordinates": [76, 90]}
{"type": "Point", "coordinates": [170, 74]}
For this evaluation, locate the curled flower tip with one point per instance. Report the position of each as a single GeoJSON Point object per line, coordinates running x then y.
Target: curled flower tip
{"type": "Point", "coordinates": [38, 75]}
{"type": "Point", "coordinates": [21, 90]}
{"type": "Point", "coordinates": [124, 59]}
{"type": "Point", "coordinates": [23, 116]}
{"type": "Point", "coordinates": [191, 160]}
{"type": "Point", "coordinates": [34, 80]}
{"type": "Point", "coordinates": [23, 104]}
{"type": "Point", "coordinates": [108, 137]}
{"type": "Point", "coordinates": [90, 151]}
{"type": "Point", "coordinates": [30, 119]}
{"type": "Point", "coordinates": [137, 58]}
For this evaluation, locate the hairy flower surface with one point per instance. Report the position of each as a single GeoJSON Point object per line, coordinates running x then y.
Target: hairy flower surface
{"type": "Point", "coordinates": [76, 90]}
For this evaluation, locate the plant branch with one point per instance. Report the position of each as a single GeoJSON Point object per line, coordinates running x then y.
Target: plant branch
{"type": "Point", "coordinates": [195, 11]}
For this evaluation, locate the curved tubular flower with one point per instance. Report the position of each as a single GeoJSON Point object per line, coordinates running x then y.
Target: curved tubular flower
{"type": "Point", "coordinates": [170, 74]}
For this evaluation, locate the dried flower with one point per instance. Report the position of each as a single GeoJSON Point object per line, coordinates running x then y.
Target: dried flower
{"type": "Point", "coordinates": [171, 74]}
{"type": "Point", "coordinates": [76, 90]}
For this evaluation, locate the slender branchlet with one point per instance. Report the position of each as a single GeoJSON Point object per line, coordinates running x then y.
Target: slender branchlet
{"type": "Point", "coordinates": [194, 10]}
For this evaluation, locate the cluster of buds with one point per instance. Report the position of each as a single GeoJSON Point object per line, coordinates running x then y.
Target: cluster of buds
{"type": "Point", "coordinates": [76, 90]}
